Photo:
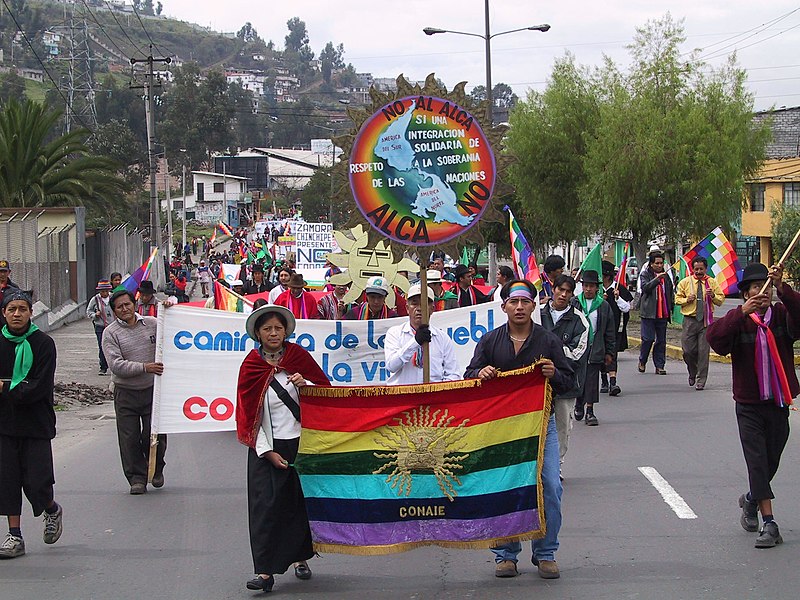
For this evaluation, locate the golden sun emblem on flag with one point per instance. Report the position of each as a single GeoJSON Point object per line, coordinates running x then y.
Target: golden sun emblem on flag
{"type": "Point", "coordinates": [423, 443]}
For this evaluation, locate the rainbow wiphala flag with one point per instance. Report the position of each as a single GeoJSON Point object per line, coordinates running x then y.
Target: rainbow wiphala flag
{"type": "Point", "coordinates": [522, 256]}
{"type": "Point", "coordinates": [723, 263]}
{"type": "Point", "coordinates": [386, 469]}
{"type": "Point", "coordinates": [225, 300]}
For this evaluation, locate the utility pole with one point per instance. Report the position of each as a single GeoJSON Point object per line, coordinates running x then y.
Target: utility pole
{"type": "Point", "coordinates": [183, 206]}
{"type": "Point", "coordinates": [149, 84]}
{"type": "Point", "coordinates": [169, 209]}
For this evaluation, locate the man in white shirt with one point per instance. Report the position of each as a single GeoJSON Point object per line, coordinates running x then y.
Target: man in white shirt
{"type": "Point", "coordinates": [403, 346]}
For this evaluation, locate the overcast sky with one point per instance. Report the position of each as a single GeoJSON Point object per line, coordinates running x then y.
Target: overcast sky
{"type": "Point", "coordinates": [385, 37]}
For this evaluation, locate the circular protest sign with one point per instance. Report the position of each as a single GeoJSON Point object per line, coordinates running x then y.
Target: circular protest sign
{"type": "Point", "coordinates": [421, 170]}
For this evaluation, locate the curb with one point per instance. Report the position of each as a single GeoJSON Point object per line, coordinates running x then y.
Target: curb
{"type": "Point", "coordinates": [677, 353]}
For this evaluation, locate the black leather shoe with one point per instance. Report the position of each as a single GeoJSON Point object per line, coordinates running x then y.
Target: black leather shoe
{"type": "Point", "coordinates": [579, 412]}
{"type": "Point", "coordinates": [769, 536]}
{"type": "Point", "coordinates": [591, 420]}
{"type": "Point", "coordinates": [614, 390]}
{"type": "Point", "coordinates": [301, 571]}
{"type": "Point", "coordinates": [259, 583]}
{"type": "Point", "coordinates": [604, 388]}
{"type": "Point", "coordinates": [749, 518]}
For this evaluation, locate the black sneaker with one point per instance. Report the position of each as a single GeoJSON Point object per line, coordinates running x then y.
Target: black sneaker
{"type": "Point", "coordinates": [604, 388]}
{"type": "Point", "coordinates": [579, 412]}
{"type": "Point", "coordinates": [769, 537]}
{"type": "Point", "coordinates": [591, 420]}
{"type": "Point", "coordinates": [615, 390]}
{"type": "Point", "coordinates": [749, 518]}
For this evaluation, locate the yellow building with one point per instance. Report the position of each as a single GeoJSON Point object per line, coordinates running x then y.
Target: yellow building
{"type": "Point", "coordinates": [777, 183]}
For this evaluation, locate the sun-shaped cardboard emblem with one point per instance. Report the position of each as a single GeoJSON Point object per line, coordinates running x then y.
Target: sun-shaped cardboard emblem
{"type": "Point", "coordinates": [424, 167]}
{"type": "Point", "coordinates": [361, 263]}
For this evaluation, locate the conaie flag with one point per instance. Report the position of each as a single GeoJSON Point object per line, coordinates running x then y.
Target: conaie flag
{"type": "Point", "coordinates": [723, 263]}
{"type": "Point", "coordinates": [386, 469]}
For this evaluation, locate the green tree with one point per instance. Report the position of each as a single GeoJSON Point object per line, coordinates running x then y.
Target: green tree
{"type": "Point", "coordinates": [37, 170]}
{"type": "Point", "coordinates": [785, 223]}
{"type": "Point", "coordinates": [548, 142]}
{"type": "Point", "coordinates": [115, 140]}
{"type": "Point", "coordinates": [331, 58]}
{"type": "Point", "coordinates": [11, 86]}
{"type": "Point", "coordinates": [674, 145]}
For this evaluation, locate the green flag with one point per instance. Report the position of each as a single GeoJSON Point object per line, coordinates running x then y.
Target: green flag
{"type": "Point", "coordinates": [464, 257]}
{"type": "Point", "coordinates": [594, 261]}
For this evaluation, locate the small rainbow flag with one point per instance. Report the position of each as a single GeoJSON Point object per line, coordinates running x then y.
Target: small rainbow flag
{"type": "Point", "coordinates": [225, 300]}
{"type": "Point", "coordinates": [386, 469]}
{"type": "Point", "coordinates": [723, 264]}
{"type": "Point", "coordinates": [225, 229]}
{"type": "Point", "coordinates": [523, 257]}
{"type": "Point", "coordinates": [134, 280]}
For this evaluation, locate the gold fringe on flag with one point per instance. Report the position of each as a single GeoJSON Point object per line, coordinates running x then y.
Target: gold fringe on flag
{"type": "Point", "coordinates": [421, 388]}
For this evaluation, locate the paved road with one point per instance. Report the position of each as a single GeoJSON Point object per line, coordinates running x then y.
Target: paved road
{"type": "Point", "coordinates": [619, 540]}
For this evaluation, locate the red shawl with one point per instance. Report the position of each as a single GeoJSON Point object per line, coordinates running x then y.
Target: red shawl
{"type": "Point", "coordinates": [255, 375]}
{"type": "Point", "coordinates": [304, 307]}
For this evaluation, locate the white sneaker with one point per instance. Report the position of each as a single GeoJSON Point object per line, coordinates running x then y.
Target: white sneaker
{"type": "Point", "coordinates": [12, 547]}
{"type": "Point", "coordinates": [53, 526]}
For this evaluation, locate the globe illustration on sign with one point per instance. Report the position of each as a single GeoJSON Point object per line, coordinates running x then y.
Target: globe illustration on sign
{"type": "Point", "coordinates": [422, 171]}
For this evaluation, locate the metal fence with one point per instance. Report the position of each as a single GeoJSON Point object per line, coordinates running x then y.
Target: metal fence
{"type": "Point", "coordinates": [115, 249]}
{"type": "Point", "coordinates": [39, 260]}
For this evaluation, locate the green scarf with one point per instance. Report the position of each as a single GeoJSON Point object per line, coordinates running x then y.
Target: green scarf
{"type": "Point", "coordinates": [587, 310]}
{"type": "Point", "coordinates": [23, 353]}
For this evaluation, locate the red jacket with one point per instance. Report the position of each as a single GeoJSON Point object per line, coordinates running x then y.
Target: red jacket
{"type": "Point", "coordinates": [735, 334]}
{"type": "Point", "coordinates": [255, 375]}
{"type": "Point", "coordinates": [304, 307]}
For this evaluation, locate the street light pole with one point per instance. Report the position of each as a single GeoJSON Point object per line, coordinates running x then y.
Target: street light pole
{"type": "Point", "coordinates": [487, 38]}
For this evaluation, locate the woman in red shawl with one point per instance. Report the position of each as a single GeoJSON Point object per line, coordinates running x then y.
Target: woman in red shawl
{"type": "Point", "coordinates": [268, 423]}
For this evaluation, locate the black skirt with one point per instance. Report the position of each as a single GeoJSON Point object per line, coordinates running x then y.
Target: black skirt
{"type": "Point", "coordinates": [279, 531]}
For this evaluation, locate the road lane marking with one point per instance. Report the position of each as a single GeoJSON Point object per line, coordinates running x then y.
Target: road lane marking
{"type": "Point", "coordinates": [668, 493]}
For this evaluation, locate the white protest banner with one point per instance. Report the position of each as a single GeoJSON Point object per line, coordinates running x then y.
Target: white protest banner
{"type": "Point", "coordinates": [313, 242]}
{"type": "Point", "coordinates": [203, 349]}
{"type": "Point", "coordinates": [230, 273]}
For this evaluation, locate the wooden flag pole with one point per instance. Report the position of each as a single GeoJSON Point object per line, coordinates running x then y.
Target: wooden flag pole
{"type": "Point", "coordinates": [783, 259]}
{"type": "Point", "coordinates": [423, 304]}
{"type": "Point", "coordinates": [242, 298]}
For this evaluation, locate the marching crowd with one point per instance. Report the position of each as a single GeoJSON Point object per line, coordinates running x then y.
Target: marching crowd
{"type": "Point", "coordinates": [574, 329]}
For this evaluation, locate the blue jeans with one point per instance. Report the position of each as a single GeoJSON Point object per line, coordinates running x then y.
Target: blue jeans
{"type": "Point", "coordinates": [654, 329]}
{"type": "Point", "coordinates": [544, 548]}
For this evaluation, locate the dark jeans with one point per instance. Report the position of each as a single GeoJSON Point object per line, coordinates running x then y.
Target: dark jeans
{"type": "Point", "coordinates": [26, 464]}
{"type": "Point", "coordinates": [133, 408]}
{"type": "Point", "coordinates": [654, 330]}
{"type": "Point", "coordinates": [763, 431]}
{"type": "Point", "coordinates": [98, 331]}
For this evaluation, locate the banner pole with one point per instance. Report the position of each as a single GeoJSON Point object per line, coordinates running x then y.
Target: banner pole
{"type": "Point", "coordinates": [785, 256]}
{"type": "Point", "coordinates": [155, 411]}
{"type": "Point", "coordinates": [423, 304]}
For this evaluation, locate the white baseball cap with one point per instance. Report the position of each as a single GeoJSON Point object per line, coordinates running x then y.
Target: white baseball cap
{"type": "Point", "coordinates": [377, 285]}
{"type": "Point", "coordinates": [416, 290]}
{"type": "Point", "coordinates": [236, 282]}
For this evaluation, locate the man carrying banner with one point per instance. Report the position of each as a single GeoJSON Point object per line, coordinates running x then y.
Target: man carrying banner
{"type": "Point", "coordinates": [759, 336]}
{"type": "Point", "coordinates": [374, 307]}
{"type": "Point", "coordinates": [571, 327]}
{"type": "Point", "coordinates": [27, 423]}
{"type": "Point", "coordinates": [129, 344]}
{"type": "Point", "coordinates": [403, 346]}
{"type": "Point", "coordinates": [655, 307]}
{"type": "Point", "coordinates": [520, 343]}
{"type": "Point", "coordinates": [696, 295]}
{"type": "Point", "coordinates": [619, 298]}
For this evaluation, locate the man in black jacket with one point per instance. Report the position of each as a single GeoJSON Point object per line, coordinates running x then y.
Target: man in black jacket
{"type": "Point", "coordinates": [257, 285]}
{"type": "Point", "coordinates": [520, 343]}
{"type": "Point", "coordinates": [619, 298]}
{"type": "Point", "coordinates": [655, 307]}
{"type": "Point", "coordinates": [602, 340]}
{"type": "Point", "coordinates": [27, 423]}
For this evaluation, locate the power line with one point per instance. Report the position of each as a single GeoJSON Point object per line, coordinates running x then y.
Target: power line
{"type": "Point", "coordinates": [752, 44]}
{"type": "Point", "coordinates": [124, 32]}
{"type": "Point", "coordinates": [152, 43]}
{"type": "Point", "coordinates": [113, 43]}
{"type": "Point", "coordinates": [44, 68]}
